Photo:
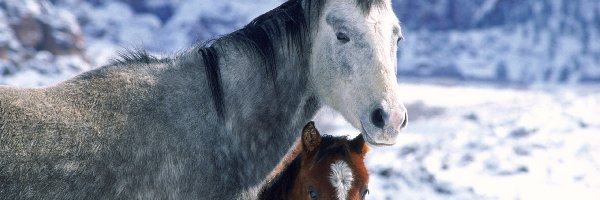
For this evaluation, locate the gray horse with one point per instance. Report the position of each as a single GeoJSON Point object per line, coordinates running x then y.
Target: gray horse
{"type": "Point", "coordinates": [210, 122]}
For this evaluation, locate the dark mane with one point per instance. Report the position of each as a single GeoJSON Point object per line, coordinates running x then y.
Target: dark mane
{"type": "Point", "coordinates": [213, 77]}
{"type": "Point", "coordinates": [283, 28]}
{"type": "Point", "coordinates": [286, 27]}
{"type": "Point", "coordinates": [132, 56]}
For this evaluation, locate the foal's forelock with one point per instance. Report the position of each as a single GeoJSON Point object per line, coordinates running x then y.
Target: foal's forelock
{"type": "Point", "coordinates": [341, 178]}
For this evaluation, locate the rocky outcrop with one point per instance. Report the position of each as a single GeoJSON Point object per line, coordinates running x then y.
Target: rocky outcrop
{"type": "Point", "coordinates": [33, 33]}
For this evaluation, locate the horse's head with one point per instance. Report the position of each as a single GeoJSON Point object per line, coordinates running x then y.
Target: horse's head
{"type": "Point", "coordinates": [353, 66]}
{"type": "Point", "coordinates": [331, 167]}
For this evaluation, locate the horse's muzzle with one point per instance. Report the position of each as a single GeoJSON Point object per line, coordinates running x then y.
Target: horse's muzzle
{"type": "Point", "coordinates": [382, 125]}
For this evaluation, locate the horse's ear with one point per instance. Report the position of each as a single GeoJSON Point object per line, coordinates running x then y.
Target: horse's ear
{"type": "Point", "coordinates": [311, 138]}
{"type": "Point", "coordinates": [358, 144]}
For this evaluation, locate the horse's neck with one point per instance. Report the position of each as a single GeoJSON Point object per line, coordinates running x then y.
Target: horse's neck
{"type": "Point", "coordinates": [269, 59]}
{"type": "Point", "coordinates": [278, 95]}
{"type": "Point", "coordinates": [263, 113]}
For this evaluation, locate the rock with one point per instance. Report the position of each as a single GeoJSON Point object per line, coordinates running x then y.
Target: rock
{"type": "Point", "coordinates": [29, 28]}
{"type": "Point", "coordinates": [47, 29]}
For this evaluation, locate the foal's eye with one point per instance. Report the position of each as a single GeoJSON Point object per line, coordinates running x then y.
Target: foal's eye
{"type": "Point", "coordinates": [342, 37]}
{"type": "Point", "coordinates": [312, 193]}
{"type": "Point", "coordinates": [364, 193]}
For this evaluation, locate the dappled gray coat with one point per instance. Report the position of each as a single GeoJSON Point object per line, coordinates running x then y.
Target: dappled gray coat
{"type": "Point", "coordinates": [210, 122]}
{"type": "Point", "coordinates": [153, 128]}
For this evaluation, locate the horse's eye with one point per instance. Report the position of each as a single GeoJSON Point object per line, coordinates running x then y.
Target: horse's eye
{"type": "Point", "coordinates": [364, 193]}
{"type": "Point", "coordinates": [342, 37]}
{"type": "Point", "coordinates": [312, 193]}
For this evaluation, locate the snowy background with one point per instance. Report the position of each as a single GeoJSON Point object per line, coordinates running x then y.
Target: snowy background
{"type": "Point", "coordinates": [503, 95]}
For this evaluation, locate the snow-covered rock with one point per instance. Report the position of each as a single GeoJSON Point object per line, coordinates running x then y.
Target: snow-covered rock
{"type": "Point", "coordinates": [547, 41]}
{"type": "Point", "coordinates": [37, 37]}
{"type": "Point", "coordinates": [510, 40]}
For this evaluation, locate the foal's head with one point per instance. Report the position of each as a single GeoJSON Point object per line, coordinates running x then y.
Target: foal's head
{"type": "Point", "coordinates": [331, 167]}
{"type": "Point", "coordinates": [325, 168]}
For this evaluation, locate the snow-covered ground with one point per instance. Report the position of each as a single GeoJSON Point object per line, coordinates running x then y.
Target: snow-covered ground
{"type": "Point", "coordinates": [468, 141]}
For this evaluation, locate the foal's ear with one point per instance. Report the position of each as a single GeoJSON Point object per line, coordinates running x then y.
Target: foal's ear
{"type": "Point", "coordinates": [358, 144]}
{"type": "Point", "coordinates": [311, 138]}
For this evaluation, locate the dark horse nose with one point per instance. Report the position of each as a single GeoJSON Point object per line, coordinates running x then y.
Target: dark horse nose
{"type": "Point", "coordinates": [405, 120]}
{"type": "Point", "coordinates": [380, 118]}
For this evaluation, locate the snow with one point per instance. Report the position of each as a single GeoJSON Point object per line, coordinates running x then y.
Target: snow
{"type": "Point", "coordinates": [107, 24]}
{"type": "Point", "coordinates": [538, 41]}
{"type": "Point", "coordinates": [489, 142]}
{"type": "Point", "coordinates": [68, 67]}
{"type": "Point", "coordinates": [32, 78]}
{"type": "Point", "coordinates": [194, 22]}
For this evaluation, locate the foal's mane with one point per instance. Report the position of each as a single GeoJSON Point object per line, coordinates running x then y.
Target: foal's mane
{"type": "Point", "coordinates": [283, 182]}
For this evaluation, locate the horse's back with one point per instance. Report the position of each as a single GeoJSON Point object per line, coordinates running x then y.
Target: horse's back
{"type": "Point", "coordinates": [85, 137]}
{"type": "Point", "coordinates": [53, 139]}
{"type": "Point", "coordinates": [81, 105]}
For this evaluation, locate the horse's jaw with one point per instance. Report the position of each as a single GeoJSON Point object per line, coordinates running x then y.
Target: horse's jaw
{"type": "Point", "coordinates": [378, 137]}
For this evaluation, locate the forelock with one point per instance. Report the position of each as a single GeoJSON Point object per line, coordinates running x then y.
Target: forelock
{"type": "Point", "coordinates": [341, 178]}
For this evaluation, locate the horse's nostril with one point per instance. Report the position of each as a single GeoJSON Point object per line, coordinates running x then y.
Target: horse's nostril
{"type": "Point", "coordinates": [405, 120]}
{"type": "Point", "coordinates": [378, 118]}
